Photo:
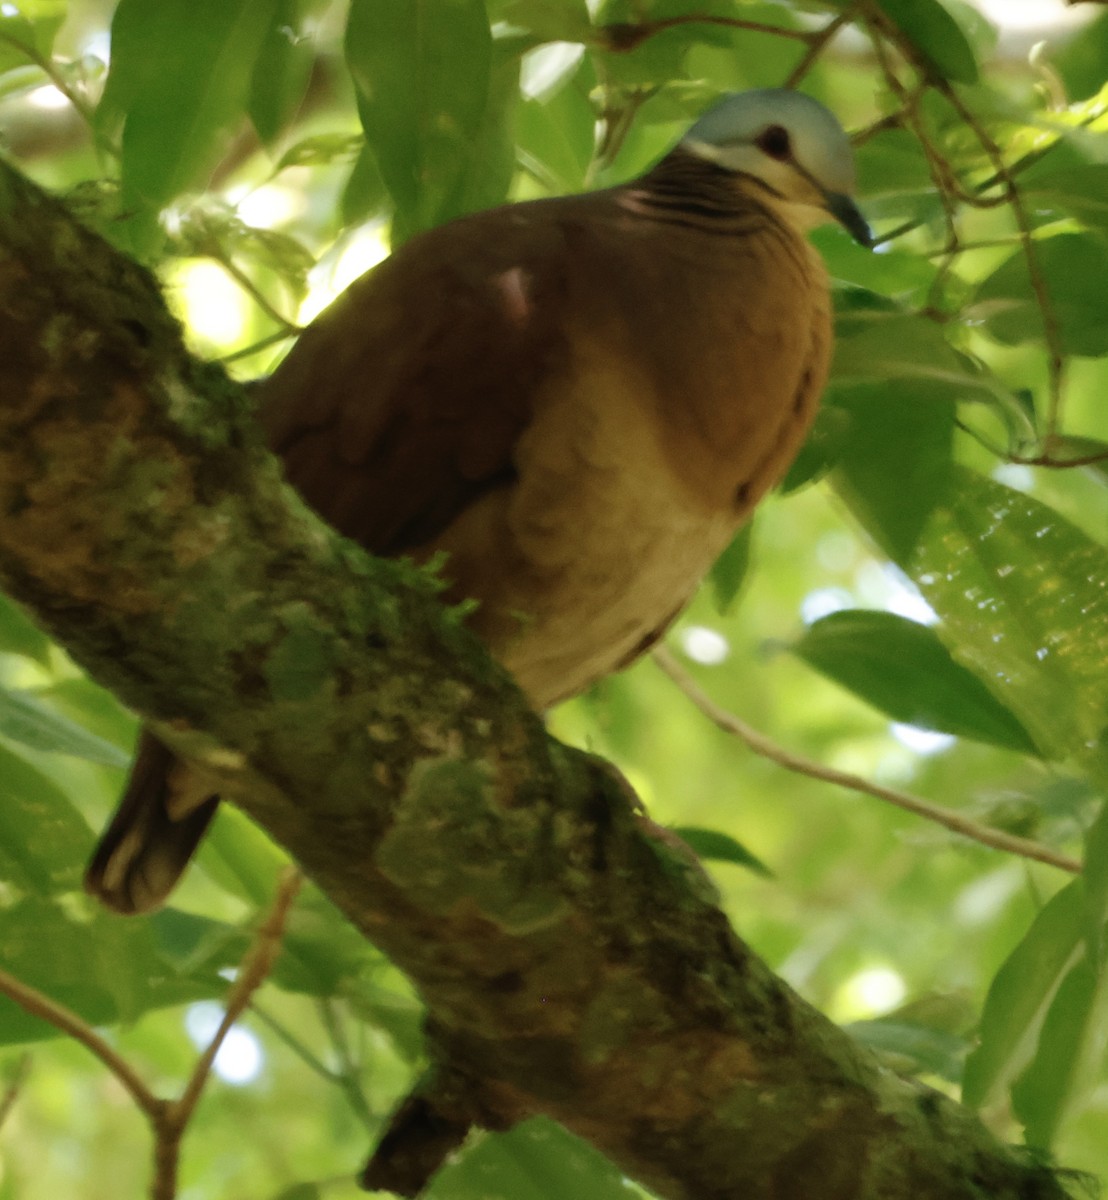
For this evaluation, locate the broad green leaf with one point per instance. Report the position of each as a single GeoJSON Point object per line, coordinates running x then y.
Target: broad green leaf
{"type": "Point", "coordinates": [824, 446]}
{"type": "Point", "coordinates": [1023, 599]}
{"type": "Point", "coordinates": [178, 85]}
{"type": "Point", "coordinates": [884, 345]}
{"type": "Point", "coordinates": [556, 138]}
{"type": "Point", "coordinates": [936, 35]}
{"type": "Point", "coordinates": [1081, 191]}
{"type": "Point", "coordinates": [903, 669]}
{"type": "Point", "coordinates": [27, 31]}
{"type": "Point", "coordinates": [1074, 267]}
{"type": "Point", "coordinates": [281, 70]}
{"type": "Point", "coordinates": [892, 162]}
{"type": "Point", "coordinates": [730, 569]}
{"type": "Point", "coordinates": [19, 635]}
{"type": "Point", "coordinates": [240, 858]}
{"type": "Point", "coordinates": [537, 1160]}
{"type": "Point", "coordinates": [715, 846]}
{"type": "Point", "coordinates": [549, 20]}
{"type": "Point", "coordinates": [26, 719]}
{"type": "Point", "coordinates": [893, 463]}
{"type": "Point", "coordinates": [365, 194]}
{"type": "Point", "coordinates": [44, 841]}
{"type": "Point", "coordinates": [105, 968]}
{"type": "Point", "coordinates": [1069, 1055]}
{"type": "Point", "coordinates": [423, 70]}
{"type": "Point", "coordinates": [913, 1047]}
{"type": "Point", "coordinates": [1021, 994]}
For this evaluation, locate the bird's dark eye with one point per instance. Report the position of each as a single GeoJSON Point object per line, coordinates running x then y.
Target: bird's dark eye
{"type": "Point", "coordinates": [774, 141]}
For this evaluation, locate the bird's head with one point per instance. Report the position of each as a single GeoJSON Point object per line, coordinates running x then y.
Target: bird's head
{"type": "Point", "coordinates": [792, 145]}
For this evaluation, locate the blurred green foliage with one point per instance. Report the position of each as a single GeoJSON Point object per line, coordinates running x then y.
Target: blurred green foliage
{"type": "Point", "coordinates": [932, 556]}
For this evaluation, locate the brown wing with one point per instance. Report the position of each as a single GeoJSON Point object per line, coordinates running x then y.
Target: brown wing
{"type": "Point", "coordinates": [402, 402]}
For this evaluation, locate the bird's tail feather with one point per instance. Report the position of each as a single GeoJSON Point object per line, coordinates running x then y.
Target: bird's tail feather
{"type": "Point", "coordinates": [144, 850]}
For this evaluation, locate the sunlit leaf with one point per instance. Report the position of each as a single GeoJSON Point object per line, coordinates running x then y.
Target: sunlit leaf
{"type": "Point", "coordinates": [36, 813]}
{"type": "Point", "coordinates": [1021, 994]}
{"type": "Point", "coordinates": [536, 1160]}
{"type": "Point", "coordinates": [27, 31]}
{"type": "Point", "coordinates": [423, 70]}
{"type": "Point", "coordinates": [26, 719]}
{"type": "Point", "coordinates": [1023, 597]}
{"type": "Point", "coordinates": [104, 969]}
{"type": "Point", "coordinates": [19, 635]}
{"type": "Point", "coordinates": [178, 85]}
{"type": "Point", "coordinates": [1069, 1055]}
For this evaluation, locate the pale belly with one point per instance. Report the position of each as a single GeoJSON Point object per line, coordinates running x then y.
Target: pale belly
{"type": "Point", "coordinates": [582, 562]}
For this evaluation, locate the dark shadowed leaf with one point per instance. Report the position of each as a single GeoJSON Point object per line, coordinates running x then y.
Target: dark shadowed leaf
{"type": "Point", "coordinates": [936, 35]}
{"type": "Point", "coordinates": [1074, 267]}
{"type": "Point", "coordinates": [903, 669]}
{"type": "Point", "coordinates": [715, 846]}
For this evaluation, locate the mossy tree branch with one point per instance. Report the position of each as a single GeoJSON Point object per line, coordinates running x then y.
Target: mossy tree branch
{"type": "Point", "coordinates": [571, 958]}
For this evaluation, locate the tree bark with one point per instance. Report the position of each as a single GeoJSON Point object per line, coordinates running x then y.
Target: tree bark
{"type": "Point", "coordinates": [572, 959]}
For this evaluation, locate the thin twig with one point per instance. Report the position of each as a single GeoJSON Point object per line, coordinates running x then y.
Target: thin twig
{"type": "Point", "coordinates": [256, 965]}
{"type": "Point", "coordinates": [623, 36]}
{"type": "Point", "coordinates": [288, 328]}
{"type": "Point", "coordinates": [39, 1005]}
{"type": "Point", "coordinates": [817, 45]}
{"type": "Point", "coordinates": [1051, 330]}
{"type": "Point", "coordinates": [766, 748]}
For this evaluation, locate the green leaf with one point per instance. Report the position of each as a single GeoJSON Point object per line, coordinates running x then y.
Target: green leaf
{"type": "Point", "coordinates": [25, 719]}
{"type": "Point", "coordinates": [44, 841]}
{"type": "Point", "coordinates": [1023, 599]}
{"type": "Point", "coordinates": [894, 462]}
{"type": "Point", "coordinates": [365, 193]}
{"type": "Point", "coordinates": [537, 1160]}
{"type": "Point", "coordinates": [876, 342]}
{"type": "Point", "coordinates": [1021, 994]}
{"type": "Point", "coordinates": [106, 969]}
{"type": "Point", "coordinates": [913, 1047]}
{"type": "Point", "coordinates": [903, 669]}
{"type": "Point", "coordinates": [1074, 267]}
{"type": "Point", "coordinates": [729, 570]}
{"type": "Point", "coordinates": [178, 85]}
{"type": "Point", "coordinates": [27, 31]}
{"type": "Point", "coordinates": [281, 70]}
{"type": "Point", "coordinates": [423, 70]}
{"type": "Point", "coordinates": [936, 35]}
{"type": "Point", "coordinates": [715, 846]}
{"type": "Point", "coordinates": [19, 635]}
{"type": "Point", "coordinates": [1081, 191]}
{"type": "Point", "coordinates": [1068, 1057]}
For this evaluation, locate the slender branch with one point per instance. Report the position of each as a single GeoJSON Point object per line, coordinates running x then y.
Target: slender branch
{"type": "Point", "coordinates": [40, 1005]}
{"type": "Point", "coordinates": [624, 36]}
{"type": "Point", "coordinates": [817, 45]}
{"type": "Point", "coordinates": [766, 748]}
{"type": "Point", "coordinates": [255, 966]}
{"type": "Point", "coordinates": [287, 327]}
{"type": "Point", "coordinates": [1051, 329]}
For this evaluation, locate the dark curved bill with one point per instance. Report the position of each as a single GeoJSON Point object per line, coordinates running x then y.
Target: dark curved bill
{"type": "Point", "coordinates": [846, 212]}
